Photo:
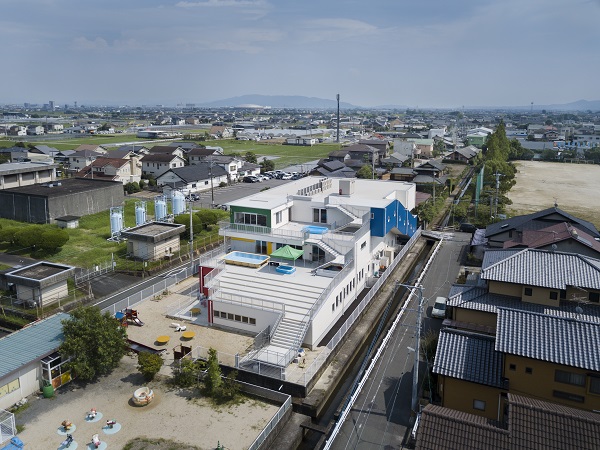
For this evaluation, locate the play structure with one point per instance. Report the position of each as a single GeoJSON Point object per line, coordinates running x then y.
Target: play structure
{"type": "Point", "coordinates": [95, 441]}
{"type": "Point", "coordinates": [67, 442]}
{"type": "Point", "coordinates": [67, 425]}
{"type": "Point", "coordinates": [128, 315]}
{"type": "Point", "coordinates": [142, 396]}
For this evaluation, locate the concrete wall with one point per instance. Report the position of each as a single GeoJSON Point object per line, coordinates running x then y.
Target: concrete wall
{"type": "Point", "coordinates": [471, 316]}
{"type": "Point", "coordinates": [150, 251]}
{"type": "Point", "coordinates": [85, 203]}
{"type": "Point", "coordinates": [49, 295]}
{"type": "Point", "coordinates": [262, 317]}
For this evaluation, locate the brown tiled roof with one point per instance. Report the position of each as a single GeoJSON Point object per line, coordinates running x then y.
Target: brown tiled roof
{"type": "Point", "coordinates": [163, 149]}
{"type": "Point", "coordinates": [444, 428]}
{"type": "Point", "coordinates": [555, 233]}
{"type": "Point", "coordinates": [538, 424]}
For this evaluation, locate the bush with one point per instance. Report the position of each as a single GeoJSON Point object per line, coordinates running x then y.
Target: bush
{"type": "Point", "coordinates": [53, 239]}
{"type": "Point", "coordinates": [8, 234]}
{"type": "Point", "coordinates": [222, 184]}
{"type": "Point", "coordinates": [142, 184]}
{"type": "Point", "coordinates": [188, 373]}
{"type": "Point", "coordinates": [29, 236]}
{"type": "Point", "coordinates": [149, 364]}
{"type": "Point", "coordinates": [132, 188]}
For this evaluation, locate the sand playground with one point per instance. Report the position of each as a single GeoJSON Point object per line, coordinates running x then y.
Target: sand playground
{"type": "Point", "coordinates": [175, 414]}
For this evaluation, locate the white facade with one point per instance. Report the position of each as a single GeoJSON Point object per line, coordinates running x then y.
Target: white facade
{"type": "Point", "coordinates": [347, 231]}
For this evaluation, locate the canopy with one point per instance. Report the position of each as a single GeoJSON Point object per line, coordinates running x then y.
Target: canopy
{"type": "Point", "coordinates": [287, 252]}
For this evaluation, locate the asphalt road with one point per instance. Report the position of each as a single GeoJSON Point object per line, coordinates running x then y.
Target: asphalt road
{"type": "Point", "coordinates": [234, 192]}
{"type": "Point", "coordinates": [381, 414]}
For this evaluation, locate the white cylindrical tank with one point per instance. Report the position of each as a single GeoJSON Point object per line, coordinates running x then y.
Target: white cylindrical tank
{"type": "Point", "coordinates": [160, 209]}
{"type": "Point", "coordinates": [116, 221]}
{"type": "Point", "coordinates": [178, 203]}
{"type": "Point", "coordinates": [140, 215]}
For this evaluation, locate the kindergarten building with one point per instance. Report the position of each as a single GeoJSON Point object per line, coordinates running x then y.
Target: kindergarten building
{"type": "Point", "coordinates": [300, 254]}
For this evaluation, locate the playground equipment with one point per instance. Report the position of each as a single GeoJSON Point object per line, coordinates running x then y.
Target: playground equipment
{"type": "Point", "coordinates": [95, 441]}
{"type": "Point", "coordinates": [111, 423]}
{"type": "Point", "coordinates": [67, 442]}
{"type": "Point", "coordinates": [67, 424]}
{"type": "Point", "coordinates": [128, 315]}
{"type": "Point", "coordinates": [92, 414]}
{"type": "Point", "coordinates": [142, 396]}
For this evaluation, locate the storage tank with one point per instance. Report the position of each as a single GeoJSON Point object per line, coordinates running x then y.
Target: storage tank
{"type": "Point", "coordinates": [178, 203]}
{"type": "Point", "coordinates": [140, 213]}
{"type": "Point", "coordinates": [160, 208]}
{"type": "Point", "coordinates": [116, 220]}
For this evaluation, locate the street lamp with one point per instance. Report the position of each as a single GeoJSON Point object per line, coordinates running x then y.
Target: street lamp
{"type": "Point", "coordinates": [415, 386]}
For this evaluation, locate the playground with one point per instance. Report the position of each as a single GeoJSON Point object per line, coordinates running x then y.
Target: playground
{"type": "Point", "coordinates": [172, 414]}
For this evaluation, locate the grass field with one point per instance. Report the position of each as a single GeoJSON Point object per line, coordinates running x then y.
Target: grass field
{"type": "Point", "coordinates": [574, 187]}
{"type": "Point", "coordinates": [71, 143]}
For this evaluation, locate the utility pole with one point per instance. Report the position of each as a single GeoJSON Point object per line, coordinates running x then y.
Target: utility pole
{"type": "Point", "coordinates": [212, 187]}
{"type": "Point", "coordinates": [338, 119]}
{"type": "Point", "coordinates": [191, 240]}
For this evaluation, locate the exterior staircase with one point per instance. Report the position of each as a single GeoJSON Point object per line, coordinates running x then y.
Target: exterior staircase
{"type": "Point", "coordinates": [286, 333]}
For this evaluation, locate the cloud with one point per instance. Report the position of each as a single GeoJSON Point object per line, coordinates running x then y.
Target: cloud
{"type": "Point", "coordinates": [221, 3]}
{"type": "Point", "coordinates": [337, 29]}
{"type": "Point", "coordinates": [83, 43]}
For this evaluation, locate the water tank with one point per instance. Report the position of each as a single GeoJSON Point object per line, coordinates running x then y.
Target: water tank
{"type": "Point", "coordinates": [140, 213]}
{"type": "Point", "coordinates": [116, 220]}
{"type": "Point", "coordinates": [160, 209]}
{"type": "Point", "coordinates": [178, 203]}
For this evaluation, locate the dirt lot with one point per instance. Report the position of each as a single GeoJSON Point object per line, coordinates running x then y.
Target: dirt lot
{"type": "Point", "coordinates": [574, 187]}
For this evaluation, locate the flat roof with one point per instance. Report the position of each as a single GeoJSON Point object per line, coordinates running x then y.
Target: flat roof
{"type": "Point", "coordinates": [42, 273]}
{"type": "Point", "coordinates": [367, 193]}
{"type": "Point", "coordinates": [31, 343]}
{"type": "Point", "coordinates": [21, 167]}
{"type": "Point", "coordinates": [64, 187]}
{"type": "Point", "coordinates": [154, 231]}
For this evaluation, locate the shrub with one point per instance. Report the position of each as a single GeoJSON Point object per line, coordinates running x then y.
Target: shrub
{"type": "Point", "coordinates": [222, 184]}
{"type": "Point", "coordinates": [53, 239]}
{"type": "Point", "coordinates": [149, 364]}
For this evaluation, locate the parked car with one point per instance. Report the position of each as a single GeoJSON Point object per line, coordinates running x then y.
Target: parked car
{"type": "Point", "coordinates": [286, 176]}
{"type": "Point", "coordinates": [251, 179]}
{"type": "Point", "coordinates": [439, 308]}
{"type": "Point", "coordinates": [192, 197]}
{"type": "Point", "coordinates": [467, 227]}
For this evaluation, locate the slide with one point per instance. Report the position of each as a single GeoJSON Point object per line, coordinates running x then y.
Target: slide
{"type": "Point", "coordinates": [137, 321]}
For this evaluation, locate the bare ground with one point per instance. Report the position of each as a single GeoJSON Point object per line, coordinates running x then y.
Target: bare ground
{"type": "Point", "coordinates": [574, 187]}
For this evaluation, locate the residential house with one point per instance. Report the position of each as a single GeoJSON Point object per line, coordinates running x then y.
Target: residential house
{"type": "Point", "coordinates": [231, 164]}
{"type": "Point", "coordinates": [155, 164]}
{"type": "Point", "coordinates": [17, 130]}
{"type": "Point", "coordinates": [464, 154]}
{"type": "Point", "coordinates": [186, 146]}
{"type": "Point", "coordinates": [167, 150]}
{"type": "Point", "coordinates": [190, 179]}
{"type": "Point", "coordinates": [82, 158]}
{"type": "Point", "coordinates": [408, 149]}
{"type": "Point", "coordinates": [529, 423]}
{"type": "Point", "coordinates": [525, 330]}
{"type": "Point", "coordinates": [35, 130]}
{"type": "Point", "coordinates": [382, 145]}
{"type": "Point", "coordinates": [114, 169]}
{"type": "Point", "coordinates": [221, 132]}
{"type": "Point", "coordinates": [339, 155]}
{"type": "Point", "coordinates": [334, 169]}
{"type": "Point", "coordinates": [91, 148]}
{"type": "Point", "coordinates": [301, 140]}
{"type": "Point", "coordinates": [366, 153]}
{"type": "Point", "coordinates": [500, 232]}
{"type": "Point", "coordinates": [424, 147]}
{"type": "Point", "coordinates": [199, 154]}
{"type": "Point", "coordinates": [139, 150]}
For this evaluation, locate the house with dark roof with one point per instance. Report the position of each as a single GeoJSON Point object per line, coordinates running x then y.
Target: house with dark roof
{"type": "Point", "coordinates": [139, 150]}
{"type": "Point", "coordinates": [199, 154]}
{"type": "Point", "coordinates": [505, 230]}
{"type": "Point", "coordinates": [366, 153]}
{"type": "Point", "coordinates": [191, 179]}
{"type": "Point", "coordinates": [465, 154]}
{"type": "Point", "coordinates": [395, 159]}
{"type": "Point", "coordinates": [380, 144]}
{"type": "Point", "coordinates": [542, 311]}
{"type": "Point", "coordinates": [91, 148]}
{"type": "Point", "coordinates": [82, 158]}
{"type": "Point", "coordinates": [529, 423]}
{"type": "Point", "coordinates": [155, 164]}
{"type": "Point", "coordinates": [167, 150]}
{"type": "Point", "coordinates": [114, 169]}
{"type": "Point", "coordinates": [339, 155]}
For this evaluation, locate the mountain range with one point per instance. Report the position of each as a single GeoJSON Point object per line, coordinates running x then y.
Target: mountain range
{"type": "Point", "coordinates": [299, 101]}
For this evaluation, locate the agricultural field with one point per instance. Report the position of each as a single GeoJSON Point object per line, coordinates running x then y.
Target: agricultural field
{"type": "Point", "coordinates": [574, 187]}
{"type": "Point", "coordinates": [60, 142]}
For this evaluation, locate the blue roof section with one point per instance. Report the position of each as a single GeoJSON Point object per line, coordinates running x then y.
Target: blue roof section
{"type": "Point", "coordinates": [567, 341]}
{"type": "Point", "coordinates": [30, 344]}
{"type": "Point", "coordinates": [468, 356]}
{"type": "Point", "coordinates": [554, 270]}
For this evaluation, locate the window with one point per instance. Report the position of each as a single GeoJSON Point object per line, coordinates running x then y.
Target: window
{"type": "Point", "coordinates": [562, 376]}
{"type": "Point", "coordinates": [568, 396]}
{"type": "Point", "coordinates": [252, 321]}
{"type": "Point", "coordinates": [528, 292]}
{"type": "Point", "coordinates": [251, 219]}
{"type": "Point", "coordinates": [278, 217]}
{"type": "Point", "coordinates": [594, 297]}
{"type": "Point", "coordinates": [9, 387]}
{"type": "Point", "coordinates": [319, 215]}
{"type": "Point", "coordinates": [332, 307]}
{"type": "Point", "coordinates": [363, 245]}
{"type": "Point", "coordinates": [479, 405]}
{"type": "Point", "coordinates": [512, 367]}
{"type": "Point", "coordinates": [528, 370]}
{"type": "Point", "coordinates": [372, 215]}
{"type": "Point", "coordinates": [595, 385]}
{"type": "Point", "coordinates": [553, 295]}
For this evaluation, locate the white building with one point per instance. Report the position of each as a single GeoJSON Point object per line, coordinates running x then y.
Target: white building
{"type": "Point", "coordinates": [342, 232]}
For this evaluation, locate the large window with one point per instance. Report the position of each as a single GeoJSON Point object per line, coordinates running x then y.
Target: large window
{"type": "Point", "coordinates": [319, 215]}
{"type": "Point", "coordinates": [9, 387]}
{"type": "Point", "coordinates": [278, 217]}
{"type": "Point", "coordinates": [562, 376]}
{"type": "Point", "coordinates": [479, 405]}
{"type": "Point", "coordinates": [595, 385]}
{"type": "Point", "coordinates": [251, 219]}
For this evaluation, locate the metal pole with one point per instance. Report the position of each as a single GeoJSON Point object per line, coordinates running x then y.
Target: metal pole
{"type": "Point", "coordinates": [415, 387]}
{"type": "Point", "coordinates": [191, 241]}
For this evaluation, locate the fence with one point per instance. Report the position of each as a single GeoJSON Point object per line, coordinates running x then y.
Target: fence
{"type": "Point", "coordinates": [337, 338]}
{"type": "Point", "coordinates": [97, 270]}
{"type": "Point", "coordinates": [274, 422]}
{"type": "Point", "coordinates": [7, 426]}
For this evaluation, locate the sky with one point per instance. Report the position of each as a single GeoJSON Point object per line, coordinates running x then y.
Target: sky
{"type": "Point", "coordinates": [419, 53]}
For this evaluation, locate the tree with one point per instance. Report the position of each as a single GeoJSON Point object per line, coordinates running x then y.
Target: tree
{"type": "Point", "coordinates": [184, 219]}
{"type": "Point", "coordinates": [29, 236]}
{"type": "Point", "coordinates": [53, 239]}
{"type": "Point", "coordinates": [250, 157]}
{"type": "Point", "coordinates": [142, 184]}
{"type": "Point", "coordinates": [365, 172]}
{"type": "Point", "coordinates": [267, 165]}
{"type": "Point", "coordinates": [212, 380]}
{"type": "Point", "coordinates": [149, 364]}
{"type": "Point", "coordinates": [132, 187]}
{"type": "Point", "coordinates": [8, 234]}
{"type": "Point", "coordinates": [94, 341]}
{"type": "Point", "coordinates": [209, 217]}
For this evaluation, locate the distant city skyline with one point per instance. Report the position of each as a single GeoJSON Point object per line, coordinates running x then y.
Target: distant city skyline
{"type": "Point", "coordinates": [429, 54]}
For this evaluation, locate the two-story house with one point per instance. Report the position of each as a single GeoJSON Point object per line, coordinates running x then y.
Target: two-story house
{"type": "Point", "coordinates": [155, 164]}
{"type": "Point", "coordinates": [114, 169]}
{"type": "Point", "coordinates": [82, 158]}
{"type": "Point", "coordinates": [530, 326]}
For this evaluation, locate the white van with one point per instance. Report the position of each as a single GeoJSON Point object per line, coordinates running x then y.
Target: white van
{"type": "Point", "coordinates": [439, 308]}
